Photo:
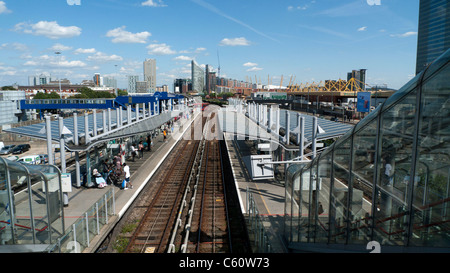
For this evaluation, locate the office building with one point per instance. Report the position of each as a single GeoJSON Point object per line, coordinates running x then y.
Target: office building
{"type": "Point", "coordinates": [110, 82]}
{"type": "Point", "coordinates": [150, 74]}
{"type": "Point", "coordinates": [96, 78]}
{"type": "Point", "coordinates": [132, 80]}
{"type": "Point", "coordinates": [198, 77]}
{"type": "Point", "coordinates": [434, 31]}
{"type": "Point", "coordinates": [142, 87]}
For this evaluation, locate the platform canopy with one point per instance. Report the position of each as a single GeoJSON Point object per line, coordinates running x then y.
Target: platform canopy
{"type": "Point", "coordinates": [142, 125]}
{"type": "Point", "coordinates": [239, 124]}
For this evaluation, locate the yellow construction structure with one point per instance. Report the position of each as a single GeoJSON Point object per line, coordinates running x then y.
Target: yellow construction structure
{"type": "Point", "coordinates": [353, 85]}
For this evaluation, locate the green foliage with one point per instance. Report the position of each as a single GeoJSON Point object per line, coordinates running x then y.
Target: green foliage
{"type": "Point", "coordinates": [121, 92]}
{"type": "Point", "coordinates": [87, 93]}
{"type": "Point", "coordinates": [8, 88]}
{"type": "Point", "coordinates": [43, 96]}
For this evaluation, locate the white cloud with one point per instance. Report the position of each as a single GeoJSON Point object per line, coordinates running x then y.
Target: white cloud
{"type": "Point", "coordinates": [84, 50]}
{"type": "Point", "coordinates": [291, 8]}
{"type": "Point", "coordinates": [182, 58]}
{"type": "Point", "coordinates": [160, 49]}
{"type": "Point", "coordinates": [14, 46]}
{"type": "Point", "coordinates": [154, 3]}
{"type": "Point", "coordinates": [362, 29]}
{"type": "Point", "coordinates": [48, 29]}
{"type": "Point", "coordinates": [250, 64]}
{"type": "Point", "coordinates": [234, 42]}
{"type": "Point", "coordinates": [404, 35]}
{"type": "Point", "coordinates": [102, 57]}
{"type": "Point", "coordinates": [60, 47]}
{"type": "Point", "coordinates": [54, 61]}
{"type": "Point", "coordinates": [122, 36]}
{"type": "Point", "coordinates": [3, 8]}
{"type": "Point", "coordinates": [254, 69]}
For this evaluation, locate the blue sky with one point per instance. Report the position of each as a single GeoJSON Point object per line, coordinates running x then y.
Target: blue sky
{"type": "Point", "coordinates": [310, 40]}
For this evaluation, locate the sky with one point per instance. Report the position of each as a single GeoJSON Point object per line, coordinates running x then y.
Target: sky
{"type": "Point", "coordinates": [298, 41]}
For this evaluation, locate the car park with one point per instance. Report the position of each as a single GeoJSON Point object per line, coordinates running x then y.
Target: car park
{"type": "Point", "coordinates": [7, 149]}
{"type": "Point", "coordinates": [19, 149]}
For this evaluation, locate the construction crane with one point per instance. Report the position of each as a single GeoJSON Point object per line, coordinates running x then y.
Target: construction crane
{"type": "Point", "coordinates": [218, 60]}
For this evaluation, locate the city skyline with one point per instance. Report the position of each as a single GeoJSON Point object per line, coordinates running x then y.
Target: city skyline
{"type": "Point", "coordinates": [310, 40]}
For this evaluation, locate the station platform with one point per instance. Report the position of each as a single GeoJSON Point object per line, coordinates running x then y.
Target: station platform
{"type": "Point", "coordinates": [268, 194]}
{"type": "Point", "coordinates": [142, 169]}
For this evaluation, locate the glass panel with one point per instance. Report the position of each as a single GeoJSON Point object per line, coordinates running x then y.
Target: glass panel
{"type": "Point", "coordinates": [363, 176]}
{"type": "Point", "coordinates": [23, 226]}
{"type": "Point", "coordinates": [324, 174]}
{"type": "Point", "coordinates": [394, 162]}
{"type": "Point", "coordinates": [303, 201]}
{"type": "Point", "coordinates": [432, 179]}
{"type": "Point", "coordinates": [314, 187]}
{"type": "Point", "coordinates": [5, 213]}
{"type": "Point", "coordinates": [341, 165]}
{"type": "Point", "coordinates": [288, 206]}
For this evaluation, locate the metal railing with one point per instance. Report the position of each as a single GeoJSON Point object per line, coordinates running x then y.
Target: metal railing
{"type": "Point", "coordinates": [79, 236]}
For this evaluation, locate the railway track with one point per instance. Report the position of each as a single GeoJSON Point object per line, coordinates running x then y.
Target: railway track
{"type": "Point", "coordinates": [186, 209]}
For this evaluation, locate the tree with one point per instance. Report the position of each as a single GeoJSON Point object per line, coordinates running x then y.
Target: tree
{"type": "Point", "coordinates": [8, 88]}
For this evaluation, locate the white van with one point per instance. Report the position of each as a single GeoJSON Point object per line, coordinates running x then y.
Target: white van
{"type": "Point", "coordinates": [31, 159]}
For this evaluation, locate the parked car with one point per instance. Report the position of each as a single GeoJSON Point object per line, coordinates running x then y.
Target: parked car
{"type": "Point", "coordinates": [44, 158]}
{"type": "Point", "coordinates": [7, 149]}
{"type": "Point", "coordinates": [31, 159]}
{"type": "Point", "coordinates": [22, 148]}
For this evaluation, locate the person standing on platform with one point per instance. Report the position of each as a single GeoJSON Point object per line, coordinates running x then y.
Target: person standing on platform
{"type": "Point", "coordinates": [165, 135]}
{"type": "Point", "coordinates": [141, 149]}
{"type": "Point", "coordinates": [126, 169]}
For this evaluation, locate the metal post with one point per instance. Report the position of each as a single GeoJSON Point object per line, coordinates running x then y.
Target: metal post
{"type": "Point", "coordinates": [88, 154]}
{"type": "Point", "coordinates": [77, 154]}
{"type": "Point", "coordinates": [94, 116]}
{"type": "Point", "coordinates": [48, 128]}
{"type": "Point", "coordinates": [105, 129]}
{"type": "Point", "coordinates": [137, 111]}
{"type": "Point", "coordinates": [118, 125]}
{"type": "Point", "coordinates": [109, 120]}
{"type": "Point", "coordinates": [74, 229]}
{"type": "Point", "coordinates": [62, 151]}
{"type": "Point", "coordinates": [277, 125]}
{"type": "Point", "coordinates": [288, 125]}
{"type": "Point", "coordinates": [120, 116]}
{"type": "Point", "coordinates": [301, 133]}
{"type": "Point", "coordinates": [314, 137]}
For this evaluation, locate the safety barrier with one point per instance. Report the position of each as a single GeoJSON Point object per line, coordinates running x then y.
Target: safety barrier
{"type": "Point", "coordinates": [80, 235]}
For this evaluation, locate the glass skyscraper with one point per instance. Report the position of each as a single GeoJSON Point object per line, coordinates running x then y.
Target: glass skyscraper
{"type": "Point", "coordinates": [198, 78]}
{"type": "Point", "coordinates": [434, 31]}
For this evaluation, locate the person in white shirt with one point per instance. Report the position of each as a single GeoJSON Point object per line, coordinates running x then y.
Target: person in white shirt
{"type": "Point", "coordinates": [126, 169]}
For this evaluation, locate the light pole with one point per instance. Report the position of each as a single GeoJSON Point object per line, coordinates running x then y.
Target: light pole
{"type": "Point", "coordinates": [59, 62]}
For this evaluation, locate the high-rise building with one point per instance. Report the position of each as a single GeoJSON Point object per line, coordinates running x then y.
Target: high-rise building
{"type": "Point", "coordinates": [142, 87]}
{"type": "Point", "coordinates": [210, 80]}
{"type": "Point", "coordinates": [132, 80]}
{"type": "Point", "coordinates": [96, 79]}
{"type": "Point", "coordinates": [434, 31]}
{"type": "Point", "coordinates": [198, 77]}
{"type": "Point", "coordinates": [359, 76]}
{"type": "Point", "coordinates": [150, 74]}
{"type": "Point", "coordinates": [110, 82]}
